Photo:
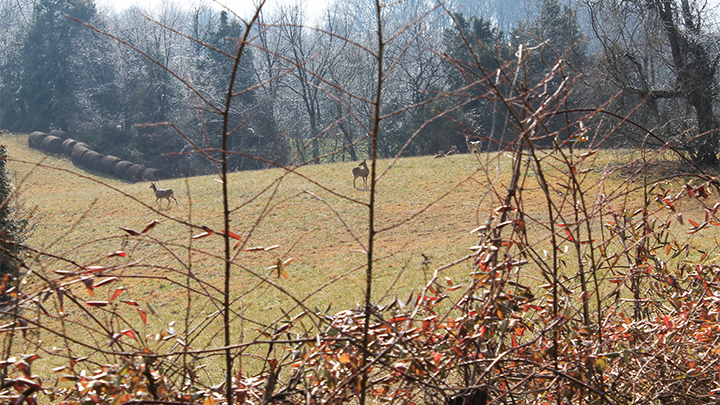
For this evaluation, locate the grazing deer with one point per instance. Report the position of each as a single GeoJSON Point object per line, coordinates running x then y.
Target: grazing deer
{"type": "Point", "coordinates": [163, 193]}
{"type": "Point", "coordinates": [473, 146]}
{"type": "Point", "coordinates": [361, 171]}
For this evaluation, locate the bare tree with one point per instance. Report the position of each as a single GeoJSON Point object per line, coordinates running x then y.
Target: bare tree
{"type": "Point", "coordinates": [661, 51]}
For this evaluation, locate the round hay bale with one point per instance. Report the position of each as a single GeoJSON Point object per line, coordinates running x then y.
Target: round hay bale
{"type": "Point", "coordinates": [90, 159]}
{"type": "Point", "coordinates": [120, 169]}
{"type": "Point", "coordinates": [107, 164]}
{"type": "Point", "coordinates": [154, 174]}
{"type": "Point", "coordinates": [60, 134]}
{"type": "Point", "coordinates": [35, 139]}
{"type": "Point", "coordinates": [134, 172]}
{"type": "Point", "coordinates": [67, 146]}
{"type": "Point", "coordinates": [77, 153]}
{"type": "Point", "coordinates": [51, 144]}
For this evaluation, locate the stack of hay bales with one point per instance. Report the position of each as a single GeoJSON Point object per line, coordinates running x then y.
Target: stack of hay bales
{"type": "Point", "coordinates": [35, 139]}
{"type": "Point", "coordinates": [58, 143]}
{"type": "Point", "coordinates": [51, 145]}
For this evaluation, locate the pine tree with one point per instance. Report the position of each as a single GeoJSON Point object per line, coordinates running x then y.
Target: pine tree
{"type": "Point", "coordinates": [47, 80]}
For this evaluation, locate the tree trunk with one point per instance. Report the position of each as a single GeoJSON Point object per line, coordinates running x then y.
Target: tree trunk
{"type": "Point", "coordinates": [695, 73]}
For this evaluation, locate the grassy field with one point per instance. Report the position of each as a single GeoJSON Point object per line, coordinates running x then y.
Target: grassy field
{"type": "Point", "coordinates": [426, 210]}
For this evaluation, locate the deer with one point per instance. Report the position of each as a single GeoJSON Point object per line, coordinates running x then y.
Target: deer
{"type": "Point", "coordinates": [473, 146]}
{"type": "Point", "coordinates": [161, 193]}
{"type": "Point", "coordinates": [361, 171]}
{"type": "Point", "coordinates": [452, 151]}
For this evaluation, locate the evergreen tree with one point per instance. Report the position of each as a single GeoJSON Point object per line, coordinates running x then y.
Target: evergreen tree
{"type": "Point", "coordinates": [48, 76]}
{"type": "Point", "coordinates": [214, 70]}
{"type": "Point", "coordinates": [11, 229]}
{"type": "Point", "coordinates": [474, 57]}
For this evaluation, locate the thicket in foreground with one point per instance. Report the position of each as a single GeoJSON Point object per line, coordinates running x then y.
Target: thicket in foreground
{"type": "Point", "coordinates": [591, 282]}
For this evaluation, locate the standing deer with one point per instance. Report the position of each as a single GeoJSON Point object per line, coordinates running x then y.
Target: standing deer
{"type": "Point", "coordinates": [161, 193]}
{"type": "Point", "coordinates": [361, 171]}
{"type": "Point", "coordinates": [473, 146]}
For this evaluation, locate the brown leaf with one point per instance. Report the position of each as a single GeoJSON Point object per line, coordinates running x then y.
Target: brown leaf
{"type": "Point", "coordinates": [105, 281]}
{"type": "Point", "coordinates": [96, 303]}
{"type": "Point", "coordinates": [130, 231]}
{"type": "Point", "coordinates": [150, 226]}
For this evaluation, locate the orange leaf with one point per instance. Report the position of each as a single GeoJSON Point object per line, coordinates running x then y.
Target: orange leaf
{"type": "Point", "coordinates": [231, 234]}
{"type": "Point", "coordinates": [95, 269]}
{"type": "Point", "coordinates": [117, 292]}
{"type": "Point", "coordinates": [130, 302]}
{"type": "Point", "coordinates": [88, 281]}
{"type": "Point", "coordinates": [143, 315]}
{"type": "Point", "coordinates": [344, 358]}
{"type": "Point", "coordinates": [695, 224]}
{"type": "Point", "coordinates": [437, 357]}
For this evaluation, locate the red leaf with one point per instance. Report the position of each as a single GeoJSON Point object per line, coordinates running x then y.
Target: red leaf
{"type": "Point", "coordinates": [130, 302]}
{"type": "Point", "coordinates": [117, 253]}
{"type": "Point", "coordinates": [695, 224]}
{"type": "Point", "coordinates": [143, 315]}
{"type": "Point", "coordinates": [128, 332]}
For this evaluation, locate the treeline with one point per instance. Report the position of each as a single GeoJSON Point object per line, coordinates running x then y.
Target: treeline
{"type": "Point", "coordinates": [61, 70]}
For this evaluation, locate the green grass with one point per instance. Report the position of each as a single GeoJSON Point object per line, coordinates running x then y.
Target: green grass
{"type": "Point", "coordinates": [425, 208]}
